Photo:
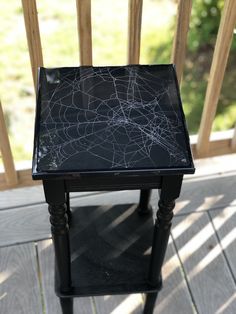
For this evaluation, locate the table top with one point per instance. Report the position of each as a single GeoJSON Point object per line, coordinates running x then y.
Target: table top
{"type": "Point", "coordinates": [109, 119]}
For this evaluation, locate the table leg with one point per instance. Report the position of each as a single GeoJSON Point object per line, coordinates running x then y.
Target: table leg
{"type": "Point", "coordinates": [66, 305]}
{"type": "Point", "coordinates": [55, 197]}
{"type": "Point", "coordinates": [68, 210]}
{"type": "Point", "coordinates": [170, 190]}
{"type": "Point", "coordinates": [150, 302]}
{"type": "Point", "coordinates": [144, 207]}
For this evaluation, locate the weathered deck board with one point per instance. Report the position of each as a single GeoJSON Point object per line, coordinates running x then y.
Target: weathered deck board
{"type": "Point", "coordinates": [116, 304]}
{"type": "Point", "coordinates": [224, 221]}
{"type": "Point", "coordinates": [21, 197]}
{"type": "Point", "coordinates": [34, 194]}
{"type": "Point", "coordinates": [51, 301]}
{"type": "Point", "coordinates": [31, 223]}
{"type": "Point", "coordinates": [174, 296]}
{"type": "Point", "coordinates": [207, 192]}
{"type": "Point", "coordinates": [19, 285]}
{"type": "Point", "coordinates": [207, 272]}
{"type": "Point", "coordinates": [28, 196]}
{"type": "Point", "coordinates": [24, 225]}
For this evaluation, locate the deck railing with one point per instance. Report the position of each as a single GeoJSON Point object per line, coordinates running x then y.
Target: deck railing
{"type": "Point", "coordinates": [205, 145]}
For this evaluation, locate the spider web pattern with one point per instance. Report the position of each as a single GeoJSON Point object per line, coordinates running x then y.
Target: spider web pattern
{"type": "Point", "coordinates": [110, 118]}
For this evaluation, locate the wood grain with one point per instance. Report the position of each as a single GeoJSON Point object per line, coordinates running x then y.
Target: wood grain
{"type": "Point", "coordinates": [115, 304]}
{"type": "Point", "coordinates": [84, 31]}
{"type": "Point", "coordinates": [6, 154]}
{"type": "Point", "coordinates": [224, 221]}
{"type": "Point", "coordinates": [52, 304]}
{"type": "Point", "coordinates": [215, 148]}
{"type": "Point", "coordinates": [21, 197]}
{"type": "Point", "coordinates": [181, 34]}
{"type": "Point", "coordinates": [19, 284]}
{"type": "Point", "coordinates": [32, 195]}
{"type": "Point", "coordinates": [208, 275]}
{"type": "Point", "coordinates": [24, 179]}
{"type": "Point", "coordinates": [205, 193]}
{"type": "Point", "coordinates": [33, 36]}
{"type": "Point", "coordinates": [175, 296]}
{"type": "Point", "coordinates": [219, 61]}
{"type": "Point", "coordinates": [134, 30]}
{"type": "Point", "coordinates": [29, 223]}
{"type": "Point", "coordinates": [24, 225]}
{"type": "Point", "coordinates": [233, 143]}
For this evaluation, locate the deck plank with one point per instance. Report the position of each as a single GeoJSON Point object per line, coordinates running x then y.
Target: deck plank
{"type": "Point", "coordinates": [207, 192]}
{"type": "Point", "coordinates": [26, 196]}
{"type": "Point", "coordinates": [51, 301]}
{"type": "Point", "coordinates": [224, 221]}
{"type": "Point", "coordinates": [19, 284]}
{"type": "Point", "coordinates": [174, 296]}
{"type": "Point", "coordinates": [115, 304]}
{"type": "Point", "coordinates": [31, 223]}
{"type": "Point", "coordinates": [208, 275]}
{"type": "Point", "coordinates": [24, 225]}
{"type": "Point", "coordinates": [21, 197]}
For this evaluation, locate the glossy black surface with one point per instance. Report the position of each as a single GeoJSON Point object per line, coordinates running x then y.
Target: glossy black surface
{"type": "Point", "coordinates": [126, 118]}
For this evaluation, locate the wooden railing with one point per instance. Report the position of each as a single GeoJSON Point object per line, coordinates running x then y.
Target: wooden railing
{"type": "Point", "coordinates": [205, 146]}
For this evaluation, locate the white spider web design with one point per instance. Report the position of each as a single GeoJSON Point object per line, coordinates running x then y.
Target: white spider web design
{"type": "Point", "coordinates": [110, 118]}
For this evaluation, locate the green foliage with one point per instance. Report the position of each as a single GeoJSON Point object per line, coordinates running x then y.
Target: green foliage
{"type": "Point", "coordinates": [204, 23]}
{"type": "Point", "coordinates": [204, 26]}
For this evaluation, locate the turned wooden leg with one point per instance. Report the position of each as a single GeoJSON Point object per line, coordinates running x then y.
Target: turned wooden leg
{"type": "Point", "coordinates": [170, 190]}
{"type": "Point", "coordinates": [144, 207]}
{"type": "Point", "coordinates": [55, 197]}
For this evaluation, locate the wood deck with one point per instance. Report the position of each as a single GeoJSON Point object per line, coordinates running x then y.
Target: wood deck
{"type": "Point", "coordinates": [200, 266]}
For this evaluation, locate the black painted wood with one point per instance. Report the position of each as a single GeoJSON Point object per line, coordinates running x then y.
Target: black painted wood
{"type": "Point", "coordinates": [144, 206]}
{"type": "Point", "coordinates": [110, 119]}
{"type": "Point", "coordinates": [110, 128]}
{"type": "Point", "coordinates": [171, 186]}
{"type": "Point", "coordinates": [111, 254]}
{"type": "Point", "coordinates": [56, 198]}
{"type": "Point", "coordinates": [113, 182]}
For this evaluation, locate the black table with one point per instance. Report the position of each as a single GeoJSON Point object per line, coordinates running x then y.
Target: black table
{"type": "Point", "coordinates": [110, 128]}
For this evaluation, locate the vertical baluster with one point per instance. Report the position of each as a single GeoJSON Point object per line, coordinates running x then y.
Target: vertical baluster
{"type": "Point", "coordinates": [219, 61]}
{"type": "Point", "coordinates": [84, 31]}
{"type": "Point", "coordinates": [181, 34]}
{"type": "Point", "coordinates": [9, 167]}
{"type": "Point", "coordinates": [134, 30]}
{"type": "Point", "coordinates": [33, 36]}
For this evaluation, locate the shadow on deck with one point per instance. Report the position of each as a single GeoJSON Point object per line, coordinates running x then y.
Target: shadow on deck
{"type": "Point", "coordinates": [200, 266]}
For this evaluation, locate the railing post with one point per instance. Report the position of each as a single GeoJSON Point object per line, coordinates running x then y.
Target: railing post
{"type": "Point", "coordinates": [10, 172]}
{"type": "Point", "coordinates": [84, 31]}
{"type": "Point", "coordinates": [134, 30]}
{"type": "Point", "coordinates": [217, 71]}
{"type": "Point", "coordinates": [233, 143]}
{"type": "Point", "coordinates": [33, 36]}
{"type": "Point", "coordinates": [181, 34]}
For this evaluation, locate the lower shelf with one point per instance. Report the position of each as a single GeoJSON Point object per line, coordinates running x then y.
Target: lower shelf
{"type": "Point", "coordinates": [110, 251]}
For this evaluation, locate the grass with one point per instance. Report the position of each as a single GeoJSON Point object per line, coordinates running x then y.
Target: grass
{"type": "Point", "coordinates": [59, 37]}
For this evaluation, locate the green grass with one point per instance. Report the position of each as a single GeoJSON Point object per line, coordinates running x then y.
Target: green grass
{"type": "Point", "coordinates": [58, 27]}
